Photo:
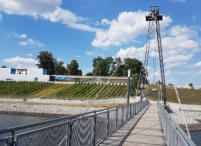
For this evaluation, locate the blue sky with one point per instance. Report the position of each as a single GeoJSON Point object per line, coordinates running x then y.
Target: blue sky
{"type": "Point", "coordinates": [84, 29]}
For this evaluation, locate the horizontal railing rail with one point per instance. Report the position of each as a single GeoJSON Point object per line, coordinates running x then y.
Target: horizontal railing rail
{"type": "Point", "coordinates": [175, 136]}
{"type": "Point", "coordinates": [89, 128]}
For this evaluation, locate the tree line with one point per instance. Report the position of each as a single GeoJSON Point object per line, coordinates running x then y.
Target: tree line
{"type": "Point", "coordinates": [54, 67]}
{"type": "Point", "coordinates": [101, 67]}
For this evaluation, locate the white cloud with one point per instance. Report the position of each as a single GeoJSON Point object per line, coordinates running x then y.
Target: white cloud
{"type": "Point", "coordinates": [198, 64]}
{"type": "Point", "coordinates": [20, 36]}
{"type": "Point", "coordinates": [105, 22]}
{"type": "Point", "coordinates": [179, 46]}
{"type": "Point", "coordinates": [23, 43]}
{"type": "Point", "coordinates": [68, 18]}
{"type": "Point", "coordinates": [21, 62]}
{"type": "Point", "coordinates": [1, 17]}
{"type": "Point", "coordinates": [23, 36]}
{"type": "Point", "coordinates": [47, 9]}
{"type": "Point", "coordinates": [180, 58]}
{"type": "Point", "coordinates": [124, 29]}
{"type": "Point", "coordinates": [30, 55]}
{"type": "Point", "coordinates": [132, 52]}
{"type": "Point", "coordinates": [31, 42]}
{"type": "Point", "coordinates": [89, 53]}
{"type": "Point", "coordinates": [26, 40]}
{"type": "Point", "coordinates": [30, 7]}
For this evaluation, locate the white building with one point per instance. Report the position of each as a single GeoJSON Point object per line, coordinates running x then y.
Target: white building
{"type": "Point", "coordinates": [21, 74]}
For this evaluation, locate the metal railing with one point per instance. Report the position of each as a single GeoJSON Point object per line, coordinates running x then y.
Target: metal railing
{"type": "Point", "coordinates": [174, 135]}
{"type": "Point", "coordinates": [85, 129]}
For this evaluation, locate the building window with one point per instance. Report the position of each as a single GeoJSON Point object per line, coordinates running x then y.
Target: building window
{"type": "Point", "coordinates": [12, 71]}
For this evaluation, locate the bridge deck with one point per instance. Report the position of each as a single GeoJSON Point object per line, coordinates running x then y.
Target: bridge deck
{"type": "Point", "coordinates": [146, 132]}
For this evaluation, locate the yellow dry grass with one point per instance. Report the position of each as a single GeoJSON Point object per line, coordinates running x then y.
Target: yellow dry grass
{"type": "Point", "coordinates": [96, 105]}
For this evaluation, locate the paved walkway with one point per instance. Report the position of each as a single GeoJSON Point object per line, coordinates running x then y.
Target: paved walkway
{"type": "Point", "coordinates": [142, 130]}
{"type": "Point", "coordinates": [120, 135]}
{"type": "Point", "coordinates": [148, 132]}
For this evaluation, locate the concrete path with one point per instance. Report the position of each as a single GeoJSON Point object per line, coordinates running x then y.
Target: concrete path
{"type": "Point", "coordinates": [148, 131]}
{"type": "Point", "coordinates": [120, 135]}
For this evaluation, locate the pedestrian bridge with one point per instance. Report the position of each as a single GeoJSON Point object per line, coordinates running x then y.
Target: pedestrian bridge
{"type": "Point", "coordinates": [139, 124]}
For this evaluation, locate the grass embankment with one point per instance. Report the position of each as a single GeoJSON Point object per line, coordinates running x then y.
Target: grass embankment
{"type": "Point", "coordinates": [21, 89]}
{"type": "Point", "coordinates": [79, 91]}
{"type": "Point", "coordinates": [187, 96]}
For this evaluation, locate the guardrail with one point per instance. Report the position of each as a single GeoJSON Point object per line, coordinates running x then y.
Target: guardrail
{"type": "Point", "coordinates": [86, 129]}
{"type": "Point", "coordinates": [174, 135]}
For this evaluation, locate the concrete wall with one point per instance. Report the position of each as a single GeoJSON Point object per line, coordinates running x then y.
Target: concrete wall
{"type": "Point", "coordinates": [32, 75]}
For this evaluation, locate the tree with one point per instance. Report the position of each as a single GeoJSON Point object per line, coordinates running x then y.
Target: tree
{"type": "Point", "coordinates": [171, 85]}
{"type": "Point", "coordinates": [3, 66]}
{"type": "Point", "coordinates": [133, 64]}
{"type": "Point", "coordinates": [46, 61]}
{"type": "Point", "coordinates": [116, 62]}
{"type": "Point", "coordinates": [60, 68]}
{"type": "Point", "coordinates": [191, 85]}
{"type": "Point", "coordinates": [134, 82]}
{"type": "Point", "coordinates": [89, 74]}
{"type": "Point", "coordinates": [73, 68]}
{"type": "Point", "coordinates": [102, 67]}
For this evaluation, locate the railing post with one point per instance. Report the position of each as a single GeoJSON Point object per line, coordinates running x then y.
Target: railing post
{"type": "Point", "coordinates": [13, 142]}
{"type": "Point", "coordinates": [116, 118]}
{"type": "Point", "coordinates": [122, 119]}
{"type": "Point", "coordinates": [108, 121]}
{"type": "Point", "coordinates": [130, 110]}
{"type": "Point", "coordinates": [135, 108]}
{"type": "Point", "coordinates": [70, 134]}
{"type": "Point", "coordinates": [94, 129]}
{"type": "Point", "coordinates": [127, 108]}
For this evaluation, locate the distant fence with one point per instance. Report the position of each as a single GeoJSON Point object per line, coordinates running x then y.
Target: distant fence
{"type": "Point", "coordinates": [175, 136]}
{"type": "Point", "coordinates": [87, 129]}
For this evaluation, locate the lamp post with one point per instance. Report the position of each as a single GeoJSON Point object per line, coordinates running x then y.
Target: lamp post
{"type": "Point", "coordinates": [128, 98]}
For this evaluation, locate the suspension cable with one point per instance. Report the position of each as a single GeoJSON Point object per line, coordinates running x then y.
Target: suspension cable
{"type": "Point", "coordinates": [179, 102]}
{"type": "Point", "coordinates": [183, 116]}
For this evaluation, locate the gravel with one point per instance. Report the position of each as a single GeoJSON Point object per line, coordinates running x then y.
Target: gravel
{"type": "Point", "coordinates": [191, 113]}
{"type": "Point", "coordinates": [42, 109]}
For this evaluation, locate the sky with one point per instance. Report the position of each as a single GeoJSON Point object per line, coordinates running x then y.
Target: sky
{"type": "Point", "coordinates": [85, 29]}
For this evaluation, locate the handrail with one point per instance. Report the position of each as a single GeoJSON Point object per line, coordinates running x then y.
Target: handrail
{"type": "Point", "coordinates": [7, 130]}
{"type": "Point", "coordinates": [80, 129]}
{"type": "Point", "coordinates": [173, 133]}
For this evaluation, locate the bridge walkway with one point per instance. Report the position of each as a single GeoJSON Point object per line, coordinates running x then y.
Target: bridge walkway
{"type": "Point", "coordinates": [143, 130]}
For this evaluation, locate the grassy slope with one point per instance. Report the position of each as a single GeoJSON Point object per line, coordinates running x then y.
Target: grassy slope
{"type": "Point", "coordinates": [187, 96]}
{"type": "Point", "coordinates": [60, 91]}
{"type": "Point", "coordinates": [85, 91]}
{"type": "Point", "coordinates": [21, 89]}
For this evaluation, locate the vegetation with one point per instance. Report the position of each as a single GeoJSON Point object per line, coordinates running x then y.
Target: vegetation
{"type": "Point", "coordinates": [47, 62]}
{"type": "Point", "coordinates": [73, 68]}
{"type": "Point", "coordinates": [21, 88]}
{"type": "Point", "coordinates": [187, 96]}
{"type": "Point", "coordinates": [90, 90]}
{"type": "Point", "coordinates": [53, 66]}
{"type": "Point", "coordinates": [84, 91]}
{"type": "Point", "coordinates": [60, 91]}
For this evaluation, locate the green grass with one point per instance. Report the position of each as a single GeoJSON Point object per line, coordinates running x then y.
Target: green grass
{"type": "Point", "coordinates": [89, 91]}
{"type": "Point", "coordinates": [12, 88]}
{"type": "Point", "coordinates": [187, 96]}
{"type": "Point", "coordinates": [81, 91]}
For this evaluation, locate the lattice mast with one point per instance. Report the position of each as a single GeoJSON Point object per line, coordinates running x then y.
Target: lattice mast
{"type": "Point", "coordinates": [155, 16]}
